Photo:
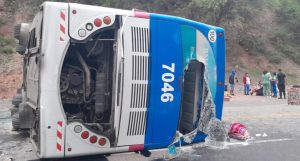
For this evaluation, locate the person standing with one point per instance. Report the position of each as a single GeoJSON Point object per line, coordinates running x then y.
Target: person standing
{"type": "Point", "coordinates": [231, 80]}
{"type": "Point", "coordinates": [273, 85]}
{"type": "Point", "coordinates": [244, 81]}
{"type": "Point", "coordinates": [248, 84]}
{"type": "Point", "coordinates": [266, 83]}
{"type": "Point", "coordinates": [281, 81]}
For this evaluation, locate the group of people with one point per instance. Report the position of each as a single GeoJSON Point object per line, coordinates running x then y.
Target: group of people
{"type": "Point", "coordinates": [271, 82]}
{"type": "Point", "coordinates": [266, 87]}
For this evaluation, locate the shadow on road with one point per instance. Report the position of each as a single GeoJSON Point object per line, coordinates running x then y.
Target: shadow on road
{"type": "Point", "coordinates": [144, 153]}
{"type": "Point", "coordinates": [87, 158]}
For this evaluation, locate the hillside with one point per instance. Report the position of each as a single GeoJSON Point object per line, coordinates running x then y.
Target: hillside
{"type": "Point", "coordinates": [260, 34]}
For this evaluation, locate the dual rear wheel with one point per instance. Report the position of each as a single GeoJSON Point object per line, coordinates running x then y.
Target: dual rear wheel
{"type": "Point", "coordinates": [16, 100]}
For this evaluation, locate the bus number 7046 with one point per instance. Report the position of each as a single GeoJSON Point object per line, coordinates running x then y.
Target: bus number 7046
{"type": "Point", "coordinates": [167, 78]}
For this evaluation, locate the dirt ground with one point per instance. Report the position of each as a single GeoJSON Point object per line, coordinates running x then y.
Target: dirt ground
{"type": "Point", "coordinates": [272, 123]}
{"type": "Point", "coordinates": [9, 81]}
{"type": "Point", "coordinates": [10, 76]}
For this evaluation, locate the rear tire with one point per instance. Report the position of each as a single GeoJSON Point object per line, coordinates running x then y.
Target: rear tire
{"type": "Point", "coordinates": [17, 99]}
{"type": "Point", "coordinates": [15, 122]}
{"type": "Point", "coordinates": [14, 110]}
{"type": "Point", "coordinates": [17, 31]}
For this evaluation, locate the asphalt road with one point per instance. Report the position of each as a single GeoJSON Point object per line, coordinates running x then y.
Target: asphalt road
{"type": "Point", "coordinates": [274, 127]}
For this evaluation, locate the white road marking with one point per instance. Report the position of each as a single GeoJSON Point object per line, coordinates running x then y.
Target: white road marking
{"type": "Point", "coordinates": [189, 147]}
{"type": "Point", "coordinates": [273, 140]}
{"type": "Point", "coordinates": [259, 141]}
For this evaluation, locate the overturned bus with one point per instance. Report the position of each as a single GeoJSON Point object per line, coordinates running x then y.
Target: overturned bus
{"type": "Point", "coordinates": [101, 80]}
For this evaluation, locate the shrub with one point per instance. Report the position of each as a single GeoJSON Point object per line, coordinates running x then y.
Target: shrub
{"type": "Point", "coordinates": [252, 44]}
{"type": "Point", "coordinates": [287, 50]}
{"type": "Point", "coordinates": [275, 58]}
{"type": "Point", "coordinates": [2, 22]}
{"type": "Point", "coordinates": [6, 45]}
{"type": "Point", "coordinates": [7, 50]}
{"type": "Point", "coordinates": [5, 41]}
{"type": "Point", "coordinates": [290, 52]}
{"type": "Point", "coordinates": [281, 35]}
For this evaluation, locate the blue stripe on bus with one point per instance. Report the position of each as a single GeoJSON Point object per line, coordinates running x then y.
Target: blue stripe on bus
{"type": "Point", "coordinates": [163, 117]}
{"type": "Point", "coordinates": [221, 71]}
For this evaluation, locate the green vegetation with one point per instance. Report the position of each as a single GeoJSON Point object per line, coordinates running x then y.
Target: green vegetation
{"type": "Point", "coordinates": [242, 20]}
{"type": "Point", "coordinates": [2, 22]}
{"type": "Point", "coordinates": [252, 44]}
{"type": "Point", "coordinates": [6, 45]}
{"type": "Point", "coordinates": [275, 58]}
{"type": "Point", "coordinates": [35, 4]}
{"type": "Point", "coordinates": [287, 37]}
{"type": "Point", "coordinates": [255, 73]}
{"type": "Point", "coordinates": [7, 50]}
{"type": "Point", "coordinates": [292, 79]}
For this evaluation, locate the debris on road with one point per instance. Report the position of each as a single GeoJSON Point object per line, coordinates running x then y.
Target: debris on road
{"type": "Point", "coordinates": [227, 96]}
{"type": "Point", "coordinates": [238, 131]}
{"type": "Point", "coordinates": [263, 135]}
{"type": "Point", "coordinates": [217, 134]}
{"type": "Point", "coordinates": [207, 123]}
{"type": "Point", "coordinates": [4, 157]}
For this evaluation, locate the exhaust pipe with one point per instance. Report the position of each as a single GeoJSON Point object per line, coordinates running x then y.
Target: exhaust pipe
{"type": "Point", "coordinates": [87, 76]}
